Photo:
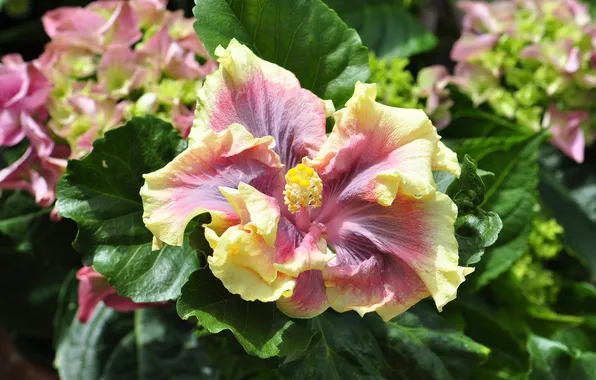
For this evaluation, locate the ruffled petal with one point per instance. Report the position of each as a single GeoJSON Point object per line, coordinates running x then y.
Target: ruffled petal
{"type": "Point", "coordinates": [380, 283]}
{"type": "Point", "coordinates": [266, 99]}
{"type": "Point", "coordinates": [309, 298]}
{"type": "Point", "coordinates": [404, 251]}
{"type": "Point", "coordinates": [244, 263]}
{"type": "Point", "coordinates": [310, 254]}
{"type": "Point", "coordinates": [262, 256]}
{"type": "Point", "coordinates": [376, 151]}
{"type": "Point", "coordinates": [254, 207]}
{"type": "Point", "coordinates": [189, 185]}
{"type": "Point", "coordinates": [445, 160]}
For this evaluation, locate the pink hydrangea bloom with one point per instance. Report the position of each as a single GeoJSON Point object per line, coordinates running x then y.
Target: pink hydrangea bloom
{"type": "Point", "coordinates": [23, 94]}
{"type": "Point", "coordinates": [523, 56]}
{"type": "Point", "coordinates": [280, 192]}
{"type": "Point", "coordinates": [95, 288]}
{"type": "Point", "coordinates": [103, 56]}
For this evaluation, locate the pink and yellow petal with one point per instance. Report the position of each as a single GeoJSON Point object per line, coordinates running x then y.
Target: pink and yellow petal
{"type": "Point", "coordinates": [266, 99]}
{"type": "Point", "coordinates": [379, 284]}
{"type": "Point", "coordinates": [244, 263]}
{"type": "Point", "coordinates": [445, 160]}
{"type": "Point", "coordinates": [310, 254]}
{"type": "Point", "coordinates": [189, 185]}
{"type": "Point", "coordinates": [256, 208]}
{"type": "Point", "coordinates": [439, 269]}
{"type": "Point", "coordinates": [309, 297]}
{"type": "Point", "coordinates": [413, 237]}
{"type": "Point", "coordinates": [385, 150]}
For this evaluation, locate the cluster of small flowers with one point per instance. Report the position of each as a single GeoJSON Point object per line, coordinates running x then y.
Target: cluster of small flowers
{"type": "Point", "coordinates": [534, 62]}
{"type": "Point", "coordinates": [397, 88]}
{"type": "Point", "coordinates": [105, 63]}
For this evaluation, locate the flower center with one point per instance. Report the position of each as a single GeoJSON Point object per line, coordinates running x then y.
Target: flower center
{"type": "Point", "coordinates": [304, 188]}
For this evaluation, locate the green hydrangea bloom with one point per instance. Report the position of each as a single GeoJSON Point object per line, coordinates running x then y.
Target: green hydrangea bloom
{"type": "Point", "coordinates": [545, 238]}
{"type": "Point", "coordinates": [394, 82]}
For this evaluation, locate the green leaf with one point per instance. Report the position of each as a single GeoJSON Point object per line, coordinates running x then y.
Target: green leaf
{"type": "Point", "coordinates": [385, 27]}
{"type": "Point", "coordinates": [474, 233]}
{"type": "Point", "coordinates": [576, 338]}
{"type": "Point", "coordinates": [421, 344]}
{"type": "Point", "coordinates": [511, 196]}
{"type": "Point", "coordinates": [145, 345]}
{"type": "Point", "coordinates": [18, 212]}
{"type": "Point", "coordinates": [346, 349]}
{"type": "Point", "coordinates": [259, 327]}
{"type": "Point", "coordinates": [30, 283]}
{"type": "Point", "coordinates": [233, 362]}
{"type": "Point", "coordinates": [554, 360]}
{"type": "Point", "coordinates": [101, 193]}
{"type": "Point", "coordinates": [303, 36]}
{"type": "Point", "coordinates": [66, 307]}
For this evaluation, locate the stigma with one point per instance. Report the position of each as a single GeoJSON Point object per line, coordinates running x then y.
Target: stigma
{"type": "Point", "coordinates": [304, 188]}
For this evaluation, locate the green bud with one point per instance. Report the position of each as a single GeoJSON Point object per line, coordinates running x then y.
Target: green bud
{"type": "Point", "coordinates": [530, 117]}
{"type": "Point", "coordinates": [503, 102]}
{"type": "Point", "coordinates": [528, 95]}
{"type": "Point", "coordinates": [544, 239]}
{"type": "Point", "coordinates": [549, 79]}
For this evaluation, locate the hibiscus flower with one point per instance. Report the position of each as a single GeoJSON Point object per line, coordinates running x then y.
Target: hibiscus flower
{"type": "Point", "coordinates": [351, 221]}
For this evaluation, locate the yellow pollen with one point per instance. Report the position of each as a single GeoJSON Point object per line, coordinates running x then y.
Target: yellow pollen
{"type": "Point", "coordinates": [304, 188]}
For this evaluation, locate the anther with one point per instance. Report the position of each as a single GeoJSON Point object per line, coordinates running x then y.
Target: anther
{"type": "Point", "coordinates": [303, 189]}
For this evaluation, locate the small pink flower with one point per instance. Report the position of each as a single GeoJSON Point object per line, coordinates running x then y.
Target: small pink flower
{"type": "Point", "coordinates": [563, 55]}
{"type": "Point", "coordinates": [475, 81]}
{"type": "Point", "coordinates": [484, 17]}
{"type": "Point", "coordinates": [149, 12]}
{"type": "Point", "coordinates": [432, 83]}
{"type": "Point", "coordinates": [471, 46]}
{"type": "Point", "coordinates": [566, 130]}
{"type": "Point", "coordinates": [95, 288]}
{"type": "Point", "coordinates": [87, 116]}
{"type": "Point", "coordinates": [36, 175]}
{"type": "Point", "coordinates": [23, 89]}
{"type": "Point", "coordinates": [94, 28]}
{"type": "Point", "coordinates": [167, 55]}
{"type": "Point", "coordinates": [119, 72]}
{"type": "Point", "coordinates": [182, 118]}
